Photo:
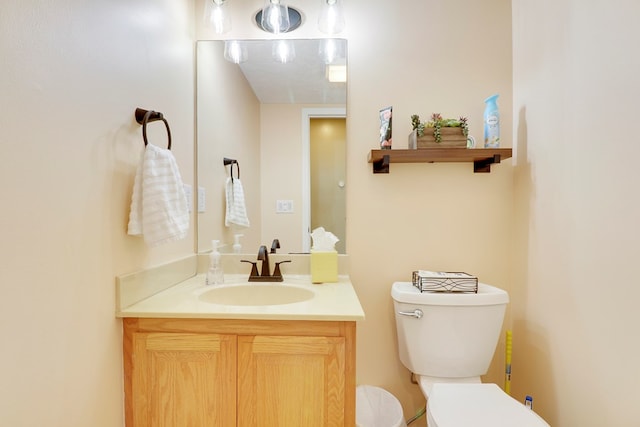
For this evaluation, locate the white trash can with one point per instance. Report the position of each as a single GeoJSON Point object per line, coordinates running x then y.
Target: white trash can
{"type": "Point", "coordinates": [376, 407]}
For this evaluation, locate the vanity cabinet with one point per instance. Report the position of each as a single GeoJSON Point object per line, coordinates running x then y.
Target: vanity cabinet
{"type": "Point", "coordinates": [226, 372]}
{"type": "Point", "coordinates": [182, 379]}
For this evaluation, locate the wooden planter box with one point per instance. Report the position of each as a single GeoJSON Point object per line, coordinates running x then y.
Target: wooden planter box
{"type": "Point", "coordinates": [452, 137]}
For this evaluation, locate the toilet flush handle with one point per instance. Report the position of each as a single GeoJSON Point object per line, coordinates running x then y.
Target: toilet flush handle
{"type": "Point", "coordinates": [417, 313]}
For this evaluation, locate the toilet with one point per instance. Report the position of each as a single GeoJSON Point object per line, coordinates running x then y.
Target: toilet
{"type": "Point", "coordinates": [447, 340]}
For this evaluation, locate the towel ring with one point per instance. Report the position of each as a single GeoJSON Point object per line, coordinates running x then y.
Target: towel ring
{"type": "Point", "coordinates": [156, 116]}
{"type": "Point", "coordinates": [232, 162]}
{"type": "Point", "coordinates": [238, 170]}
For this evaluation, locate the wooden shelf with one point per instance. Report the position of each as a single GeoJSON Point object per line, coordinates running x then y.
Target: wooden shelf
{"type": "Point", "coordinates": [482, 158]}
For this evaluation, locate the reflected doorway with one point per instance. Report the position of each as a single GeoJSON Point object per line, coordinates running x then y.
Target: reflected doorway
{"type": "Point", "coordinates": [329, 205]}
{"type": "Point", "coordinates": [327, 176]}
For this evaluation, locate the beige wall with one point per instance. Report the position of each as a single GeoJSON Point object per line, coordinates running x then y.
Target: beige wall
{"type": "Point", "coordinates": [228, 123]}
{"type": "Point", "coordinates": [281, 154]}
{"type": "Point", "coordinates": [423, 57]}
{"type": "Point", "coordinates": [576, 346]}
{"type": "Point", "coordinates": [72, 75]}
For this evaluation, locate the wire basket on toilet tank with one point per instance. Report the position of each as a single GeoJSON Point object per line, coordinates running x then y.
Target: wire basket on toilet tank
{"type": "Point", "coordinates": [444, 281]}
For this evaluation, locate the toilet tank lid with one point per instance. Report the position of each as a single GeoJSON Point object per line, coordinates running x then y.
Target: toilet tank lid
{"type": "Point", "coordinates": [478, 405]}
{"type": "Point", "coordinates": [487, 295]}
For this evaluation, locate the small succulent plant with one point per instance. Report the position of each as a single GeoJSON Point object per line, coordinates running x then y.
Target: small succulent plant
{"type": "Point", "coordinates": [417, 125]}
{"type": "Point", "coordinates": [437, 122]}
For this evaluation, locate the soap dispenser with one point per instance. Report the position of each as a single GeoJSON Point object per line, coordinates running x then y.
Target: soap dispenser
{"type": "Point", "coordinates": [215, 276]}
{"type": "Point", "coordinates": [237, 247]}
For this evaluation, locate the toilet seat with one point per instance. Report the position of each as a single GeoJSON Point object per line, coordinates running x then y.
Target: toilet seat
{"type": "Point", "coordinates": [478, 405]}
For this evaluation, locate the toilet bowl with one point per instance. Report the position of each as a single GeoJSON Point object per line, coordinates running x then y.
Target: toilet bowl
{"type": "Point", "coordinates": [447, 340]}
{"type": "Point", "coordinates": [477, 405]}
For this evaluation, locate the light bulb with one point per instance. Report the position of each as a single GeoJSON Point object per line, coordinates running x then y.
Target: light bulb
{"type": "Point", "coordinates": [216, 16]}
{"type": "Point", "coordinates": [332, 50]}
{"type": "Point", "coordinates": [331, 19]}
{"type": "Point", "coordinates": [275, 17]}
{"type": "Point", "coordinates": [235, 51]}
{"type": "Point", "coordinates": [283, 51]}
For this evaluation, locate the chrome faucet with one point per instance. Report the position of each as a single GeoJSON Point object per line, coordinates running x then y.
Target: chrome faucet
{"type": "Point", "coordinates": [265, 274]}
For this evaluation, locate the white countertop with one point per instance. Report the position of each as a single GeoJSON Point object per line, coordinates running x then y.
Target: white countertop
{"type": "Point", "coordinates": [331, 302]}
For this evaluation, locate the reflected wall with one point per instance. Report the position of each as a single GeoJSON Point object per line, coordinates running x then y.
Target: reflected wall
{"type": "Point", "coordinates": [265, 134]}
{"type": "Point", "coordinates": [228, 125]}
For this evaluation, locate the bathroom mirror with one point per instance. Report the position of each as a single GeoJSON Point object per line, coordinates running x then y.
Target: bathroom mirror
{"type": "Point", "coordinates": [284, 122]}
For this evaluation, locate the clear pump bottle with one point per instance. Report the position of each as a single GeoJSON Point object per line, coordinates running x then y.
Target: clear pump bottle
{"type": "Point", "coordinates": [215, 275]}
{"type": "Point", "coordinates": [237, 247]}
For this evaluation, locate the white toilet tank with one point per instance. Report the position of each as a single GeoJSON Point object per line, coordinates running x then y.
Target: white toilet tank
{"type": "Point", "coordinates": [456, 334]}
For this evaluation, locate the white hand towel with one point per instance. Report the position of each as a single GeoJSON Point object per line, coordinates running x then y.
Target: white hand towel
{"type": "Point", "coordinates": [236, 209]}
{"type": "Point", "coordinates": [159, 207]}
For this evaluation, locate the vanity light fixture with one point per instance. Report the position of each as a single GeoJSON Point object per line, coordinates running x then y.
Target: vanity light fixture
{"type": "Point", "coordinates": [331, 18]}
{"type": "Point", "coordinates": [216, 16]}
{"type": "Point", "coordinates": [283, 51]}
{"type": "Point", "coordinates": [235, 51]}
{"type": "Point", "coordinates": [276, 17]}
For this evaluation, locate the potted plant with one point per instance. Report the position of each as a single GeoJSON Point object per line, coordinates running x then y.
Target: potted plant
{"type": "Point", "coordinates": [439, 132]}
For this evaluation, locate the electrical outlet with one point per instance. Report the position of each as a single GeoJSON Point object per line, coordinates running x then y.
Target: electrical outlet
{"type": "Point", "coordinates": [188, 191]}
{"type": "Point", "coordinates": [284, 206]}
{"type": "Point", "coordinates": [201, 200]}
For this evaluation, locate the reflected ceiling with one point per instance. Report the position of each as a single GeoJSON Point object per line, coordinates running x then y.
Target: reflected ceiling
{"type": "Point", "coordinates": [301, 81]}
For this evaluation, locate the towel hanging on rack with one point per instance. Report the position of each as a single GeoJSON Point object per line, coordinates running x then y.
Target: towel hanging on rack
{"type": "Point", "coordinates": [236, 212]}
{"type": "Point", "coordinates": [159, 207]}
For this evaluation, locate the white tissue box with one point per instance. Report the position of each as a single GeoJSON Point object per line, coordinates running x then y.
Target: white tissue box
{"type": "Point", "coordinates": [324, 266]}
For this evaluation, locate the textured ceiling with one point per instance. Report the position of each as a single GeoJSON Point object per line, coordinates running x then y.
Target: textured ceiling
{"type": "Point", "coordinates": [301, 81]}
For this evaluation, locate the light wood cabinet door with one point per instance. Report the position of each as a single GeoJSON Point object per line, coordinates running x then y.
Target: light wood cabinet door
{"type": "Point", "coordinates": [291, 381]}
{"type": "Point", "coordinates": [184, 380]}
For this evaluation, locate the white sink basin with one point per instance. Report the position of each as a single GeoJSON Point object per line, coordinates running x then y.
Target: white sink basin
{"type": "Point", "coordinates": [256, 294]}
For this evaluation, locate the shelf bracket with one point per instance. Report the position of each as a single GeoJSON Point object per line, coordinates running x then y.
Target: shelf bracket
{"type": "Point", "coordinates": [484, 165]}
{"type": "Point", "coordinates": [382, 165]}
